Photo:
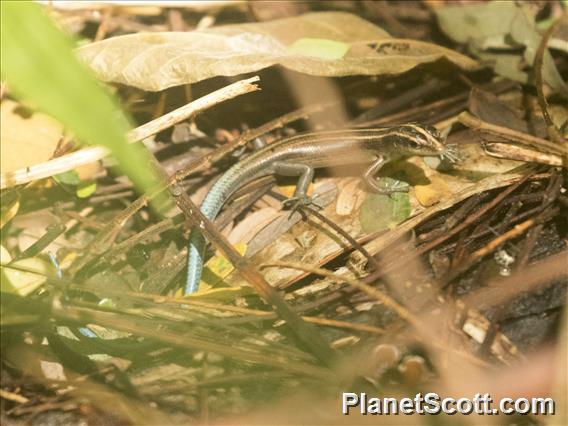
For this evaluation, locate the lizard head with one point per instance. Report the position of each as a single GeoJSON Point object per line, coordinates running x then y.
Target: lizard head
{"type": "Point", "coordinates": [417, 139]}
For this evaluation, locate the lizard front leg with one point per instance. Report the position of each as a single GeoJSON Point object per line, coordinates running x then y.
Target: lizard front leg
{"type": "Point", "coordinates": [370, 178]}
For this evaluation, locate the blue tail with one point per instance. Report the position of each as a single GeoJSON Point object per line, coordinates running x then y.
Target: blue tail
{"type": "Point", "coordinates": [210, 208]}
{"type": "Point", "coordinates": [196, 252]}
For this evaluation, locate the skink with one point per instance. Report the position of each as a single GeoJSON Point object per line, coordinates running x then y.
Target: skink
{"type": "Point", "coordinates": [299, 155]}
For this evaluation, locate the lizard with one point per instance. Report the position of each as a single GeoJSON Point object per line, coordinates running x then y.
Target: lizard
{"type": "Point", "coordinates": [300, 154]}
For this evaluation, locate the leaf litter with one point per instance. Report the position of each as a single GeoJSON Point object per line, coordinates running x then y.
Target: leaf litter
{"type": "Point", "coordinates": [415, 262]}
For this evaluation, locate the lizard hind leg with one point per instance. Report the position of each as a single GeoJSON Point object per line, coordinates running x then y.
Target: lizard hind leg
{"type": "Point", "coordinates": [305, 175]}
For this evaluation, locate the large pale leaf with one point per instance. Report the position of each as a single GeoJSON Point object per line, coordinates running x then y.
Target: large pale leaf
{"type": "Point", "coordinates": [493, 31]}
{"type": "Point", "coordinates": [322, 44]}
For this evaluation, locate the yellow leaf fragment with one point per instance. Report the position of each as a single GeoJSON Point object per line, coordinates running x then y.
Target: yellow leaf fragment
{"type": "Point", "coordinates": [24, 276]}
{"type": "Point", "coordinates": [4, 256]}
{"type": "Point", "coordinates": [432, 193]}
{"type": "Point", "coordinates": [218, 267]}
{"type": "Point", "coordinates": [27, 138]}
{"type": "Point", "coordinates": [221, 294]}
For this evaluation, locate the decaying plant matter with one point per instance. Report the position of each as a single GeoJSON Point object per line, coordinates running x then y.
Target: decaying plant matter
{"type": "Point", "coordinates": [456, 285]}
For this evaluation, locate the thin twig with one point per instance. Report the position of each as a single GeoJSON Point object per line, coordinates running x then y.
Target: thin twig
{"type": "Point", "coordinates": [473, 122]}
{"type": "Point", "coordinates": [145, 328]}
{"type": "Point", "coordinates": [354, 243]}
{"type": "Point", "coordinates": [515, 232]}
{"type": "Point", "coordinates": [473, 217]}
{"type": "Point", "coordinates": [312, 340]}
{"type": "Point", "coordinates": [95, 153]}
{"type": "Point", "coordinates": [515, 152]}
{"type": "Point", "coordinates": [345, 235]}
{"type": "Point", "coordinates": [105, 238]}
{"type": "Point", "coordinates": [206, 160]}
{"type": "Point", "coordinates": [344, 324]}
{"type": "Point", "coordinates": [210, 306]}
{"type": "Point", "coordinates": [553, 133]}
{"type": "Point", "coordinates": [386, 300]}
{"type": "Point", "coordinates": [513, 179]}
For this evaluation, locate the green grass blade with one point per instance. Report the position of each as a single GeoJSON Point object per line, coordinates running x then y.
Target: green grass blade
{"type": "Point", "coordinates": [39, 65]}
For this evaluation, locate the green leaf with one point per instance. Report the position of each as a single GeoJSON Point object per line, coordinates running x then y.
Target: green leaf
{"type": "Point", "coordinates": [379, 212]}
{"type": "Point", "coordinates": [85, 189]}
{"type": "Point", "coordinates": [319, 48]}
{"type": "Point", "coordinates": [39, 66]}
{"type": "Point", "coordinates": [70, 177]}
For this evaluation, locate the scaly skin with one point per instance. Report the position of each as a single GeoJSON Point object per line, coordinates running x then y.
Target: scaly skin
{"type": "Point", "coordinates": [321, 149]}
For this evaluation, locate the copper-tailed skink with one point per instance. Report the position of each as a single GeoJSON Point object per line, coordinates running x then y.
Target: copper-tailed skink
{"type": "Point", "coordinates": [300, 154]}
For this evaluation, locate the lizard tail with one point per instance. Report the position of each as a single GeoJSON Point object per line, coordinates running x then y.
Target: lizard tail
{"type": "Point", "coordinates": [194, 261]}
{"type": "Point", "coordinates": [210, 207]}
{"type": "Point", "coordinates": [196, 249]}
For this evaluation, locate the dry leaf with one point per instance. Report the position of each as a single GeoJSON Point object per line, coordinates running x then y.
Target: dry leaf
{"type": "Point", "coordinates": [26, 139]}
{"type": "Point", "coordinates": [16, 278]}
{"type": "Point", "coordinates": [252, 225]}
{"type": "Point", "coordinates": [430, 186]}
{"type": "Point", "coordinates": [350, 197]}
{"type": "Point", "coordinates": [436, 190]}
{"type": "Point", "coordinates": [503, 33]}
{"type": "Point", "coordinates": [156, 61]}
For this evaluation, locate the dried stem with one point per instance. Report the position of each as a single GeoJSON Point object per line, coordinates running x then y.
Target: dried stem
{"type": "Point", "coordinates": [309, 336]}
{"type": "Point", "coordinates": [104, 239]}
{"type": "Point", "coordinates": [388, 301]}
{"type": "Point", "coordinates": [385, 240]}
{"type": "Point", "coordinates": [515, 232]}
{"type": "Point", "coordinates": [145, 329]}
{"type": "Point", "coordinates": [473, 122]}
{"type": "Point", "coordinates": [539, 83]}
{"type": "Point", "coordinates": [514, 152]}
{"type": "Point", "coordinates": [91, 154]}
